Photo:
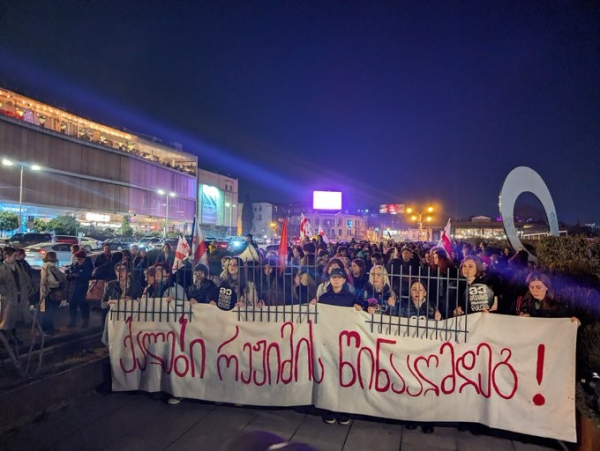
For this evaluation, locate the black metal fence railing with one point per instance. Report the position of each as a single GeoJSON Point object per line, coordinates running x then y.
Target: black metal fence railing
{"type": "Point", "coordinates": [403, 302]}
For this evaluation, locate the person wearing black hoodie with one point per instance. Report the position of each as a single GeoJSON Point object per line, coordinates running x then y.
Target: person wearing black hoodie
{"type": "Point", "coordinates": [202, 290]}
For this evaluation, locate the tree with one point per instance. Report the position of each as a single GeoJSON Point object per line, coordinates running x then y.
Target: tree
{"type": "Point", "coordinates": [40, 225]}
{"type": "Point", "coordinates": [66, 225]}
{"type": "Point", "coordinates": [247, 215]}
{"type": "Point", "coordinates": [126, 229]}
{"type": "Point", "coordinates": [8, 221]}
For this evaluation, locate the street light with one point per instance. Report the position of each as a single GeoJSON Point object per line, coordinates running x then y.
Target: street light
{"type": "Point", "coordinates": [33, 167]}
{"type": "Point", "coordinates": [167, 195]}
{"type": "Point", "coordinates": [231, 207]}
{"type": "Point", "coordinates": [419, 218]}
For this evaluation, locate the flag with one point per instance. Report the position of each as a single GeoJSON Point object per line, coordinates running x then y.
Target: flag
{"type": "Point", "coordinates": [305, 228]}
{"type": "Point", "coordinates": [199, 250]}
{"type": "Point", "coordinates": [183, 250]}
{"type": "Point", "coordinates": [303, 222]}
{"type": "Point", "coordinates": [445, 238]}
{"type": "Point", "coordinates": [283, 249]}
{"type": "Point", "coordinates": [323, 235]}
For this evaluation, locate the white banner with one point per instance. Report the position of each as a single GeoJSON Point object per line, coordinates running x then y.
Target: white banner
{"type": "Point", "coordinates": [511, 373]}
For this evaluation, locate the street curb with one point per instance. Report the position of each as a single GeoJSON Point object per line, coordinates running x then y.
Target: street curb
{"type": "Point", "coordinates": [27, 402]}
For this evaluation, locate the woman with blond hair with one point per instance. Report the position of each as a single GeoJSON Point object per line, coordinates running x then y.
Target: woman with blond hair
{"type": "Point", "coordinates": [378, 287]}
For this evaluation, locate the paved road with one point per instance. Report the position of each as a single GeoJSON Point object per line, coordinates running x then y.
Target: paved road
{"type": "Point", "coordinates": [134, 421]}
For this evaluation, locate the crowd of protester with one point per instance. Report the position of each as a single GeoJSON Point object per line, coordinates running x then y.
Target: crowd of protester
{"type": "Point", "coordinates": [399, 279]}
{"type": "Point", "coordinates": [396, 279]}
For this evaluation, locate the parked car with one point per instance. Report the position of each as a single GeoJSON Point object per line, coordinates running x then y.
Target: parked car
{"type": "Point", "coordinates": [68, 239]}
{"type": "Point", "coordinates": [27, 239]}
{"type": "Point", "coordinates": [89, 244]}
{"type": "Point", "coordinates": [147, 242]}
{"type": "Point", "coordinates": [34, 254]}
{"type": "Point", "coordinates": [119, 244]}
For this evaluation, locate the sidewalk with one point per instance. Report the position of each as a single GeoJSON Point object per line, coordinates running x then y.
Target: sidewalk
{"type": "Point", "coordinates": [134, 421]}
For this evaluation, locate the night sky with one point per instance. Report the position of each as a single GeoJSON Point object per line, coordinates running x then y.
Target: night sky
{"type": "Point", "coordinates": [390, 102]}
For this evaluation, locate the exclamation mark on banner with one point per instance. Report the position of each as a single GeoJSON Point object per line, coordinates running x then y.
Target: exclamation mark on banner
{"type": "Point", "coordinates": [539, 399]}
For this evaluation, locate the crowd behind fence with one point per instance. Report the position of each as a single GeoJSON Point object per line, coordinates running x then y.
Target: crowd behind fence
{"type": "Point", "coordinates": [398, 303]}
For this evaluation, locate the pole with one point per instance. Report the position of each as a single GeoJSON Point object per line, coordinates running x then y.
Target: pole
{"type": "Point", "coordinates": [21, 202]}
{"type": "Point", "coordinates": [167, 216]}
{"type": "Point", "coordinates": [230, 218]}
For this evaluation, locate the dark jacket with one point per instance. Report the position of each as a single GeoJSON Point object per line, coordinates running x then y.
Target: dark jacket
{"type": "Point", "coordinates": [406, 309]}
{"type": "Point", "coordinates": [157, 291]}
{"type": "Point", "coordinates": [167, 259]}
{"type": "Point", "coordinates": [381, 296]}
{"type": "Point", "coordinates": [113, 290]}
{"type": "Point", "coordinates": [204, 293]}
{"type": "Point", "coordinates": [548, 309]}
{"type": "Point", "coordinates": [477, 296]}
{"type": "Point", "coordinates": [79, 276]}
{"type": "Point", "coordinates": [102, 259]}
{"type": "Point", "coordinates": [342, 299]}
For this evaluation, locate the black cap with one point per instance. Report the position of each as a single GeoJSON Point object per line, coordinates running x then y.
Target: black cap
{"type": "Point", "coordinates": [337, 272]}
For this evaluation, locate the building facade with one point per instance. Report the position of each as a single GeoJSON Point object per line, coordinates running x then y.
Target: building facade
{"type": "Point", "coordinates": [218, 206]}
{"type": "Point", "coordinates": [90, 170]}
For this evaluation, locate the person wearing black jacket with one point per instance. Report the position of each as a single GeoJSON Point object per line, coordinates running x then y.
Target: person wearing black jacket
{"type": "Point", "coordinates": [104, 257]}
{"type": "Point", "coordinates": [124, 287]}
{"type": "Point", "coordinates": [79, 273]}
{"type": "Point", "coordinates": [477, 294]}
{"type": "Point", "coordinates": [203, 290]}
{"type": "Point", "coordinates": [338, 294]}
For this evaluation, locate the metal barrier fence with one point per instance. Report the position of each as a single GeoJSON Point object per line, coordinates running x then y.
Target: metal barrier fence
{"type": "Point", "coordinates": [269, 292]}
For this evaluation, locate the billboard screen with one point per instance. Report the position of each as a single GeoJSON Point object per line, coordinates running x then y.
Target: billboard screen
{"type": "Point", "coordinates": [392, 209]}
{"type": "Point", "coordinates": [327, 200]}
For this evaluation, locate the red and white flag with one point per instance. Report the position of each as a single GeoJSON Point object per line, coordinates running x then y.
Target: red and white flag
{"type": "Point", "coordinates": [323, 234]}
{"type": "Point", "coordinates": [445, 238]}
{"type": "Point", "coordinates": [305, 228]}
{"type": "Point", "coordinates": [199, 248]}
{"type": "Point", "coordinates": [183, 250]}
{"type": "Point", "coordinates": [303, 222]}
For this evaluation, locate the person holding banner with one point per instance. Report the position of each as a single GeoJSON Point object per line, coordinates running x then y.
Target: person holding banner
{"type": "Point", "coordinates": [125, 287]}
{"type": "Point", "coordinates": [334, 263]}
{"type": "Point", "coordinates": [159, 280]}
{"type": "Point", "coordinates": [379, 288]}
{"type": "Point", "coordinates": [418, 305]}
{"type": "Point", "coordinates": [235, 289]}
{"type": "Point", "coordinates": [478, 295]}
{"type": "Point", "coordinates": [539, 301]}
{"type": "Point", "coordinates": [337, 294]}
{"type": "Point", "coordinates": [202, 290]}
